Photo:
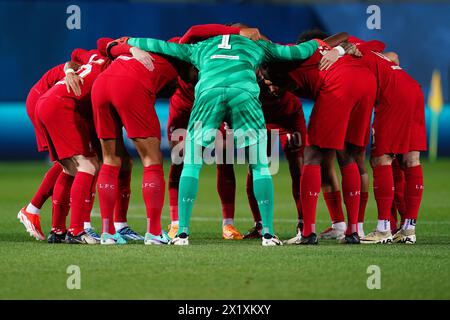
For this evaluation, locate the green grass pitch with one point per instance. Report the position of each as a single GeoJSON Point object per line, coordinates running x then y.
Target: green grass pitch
{"type": "Point", "coordinates": [211, 268]}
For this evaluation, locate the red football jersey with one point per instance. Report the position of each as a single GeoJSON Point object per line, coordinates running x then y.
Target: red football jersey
{"type": "Point", "coordinates": [389, 75]}
{"type": "Point", "coordinates": [93, 64]}
{"type": "Point", "coordinates": [309, 79]}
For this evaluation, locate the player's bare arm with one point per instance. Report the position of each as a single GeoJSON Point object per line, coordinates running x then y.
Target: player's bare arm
{"type": "Point", "coordinates": [336, 39]}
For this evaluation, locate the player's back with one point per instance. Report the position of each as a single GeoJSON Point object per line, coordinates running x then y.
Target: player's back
{"type": "Point", "coordinates": [390, 76]}
{"type": "Point", "coordinates": [49, 79]}
{"type": "Point", "coordinates": [227, 61]}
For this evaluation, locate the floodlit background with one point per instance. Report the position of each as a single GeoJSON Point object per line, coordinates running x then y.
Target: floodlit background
{"type": "Point", "coordinates": [37, 35]}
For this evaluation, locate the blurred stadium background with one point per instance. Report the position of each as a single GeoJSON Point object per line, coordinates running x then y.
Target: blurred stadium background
{"type": "Point", "coordinates": [35, 38]}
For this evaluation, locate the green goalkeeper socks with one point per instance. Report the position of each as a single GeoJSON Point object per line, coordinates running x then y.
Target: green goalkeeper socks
{"type": "Point", "coordinates": [262, 183]}
{"type": "Point", "coordinates": [264, 194]}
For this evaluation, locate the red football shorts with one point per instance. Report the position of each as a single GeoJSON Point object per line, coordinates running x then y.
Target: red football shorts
{"type": "Point", "coordinates": [399, 122]}
{"type": "Point", "coordinates": [343, 109]}
{"type": "Point", "coordinates": [68, 133]}
{"type": "Point", "coordinates": [123, 101]}
{"type": "Point", "coordinates": [30, 103]}
{"type": "Point", "coordinates": [292, 132]}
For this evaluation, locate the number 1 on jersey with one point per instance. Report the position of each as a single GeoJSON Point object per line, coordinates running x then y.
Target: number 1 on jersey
{"type": "Point", "coordinates": [225, 42]}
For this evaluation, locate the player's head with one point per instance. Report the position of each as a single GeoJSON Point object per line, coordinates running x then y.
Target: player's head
{"type": "Point", "coordinates": [102, 43]}
{"type": "Point", "coordinates": [239, 25]}
{"type": "Point", "coordinates": [312, 34]}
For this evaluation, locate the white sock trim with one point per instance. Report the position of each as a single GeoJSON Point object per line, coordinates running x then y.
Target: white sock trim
{"type": "Point", "coordinates": [384, 225]}
{"type": "Point", "coordinates": [120, 225]}
{"type": "Point", "coordinates": [341, 226]}
{"type": "Point", "coordinates": [32, 209]}
{"type": "Point", "coordinates": [228, 221]}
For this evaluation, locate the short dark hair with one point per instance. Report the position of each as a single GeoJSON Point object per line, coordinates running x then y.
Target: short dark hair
{"type": "Point", "coordinates": [312, 34]}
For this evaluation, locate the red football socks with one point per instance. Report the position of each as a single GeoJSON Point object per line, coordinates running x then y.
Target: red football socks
{"type": "Point", "coordinates": [174, 182]}
{"type": "Point", "coordinates": [81, 198]}
{"type": "Point", "coordinates": [61, 201]}
{"type": "Point", "coordinates": [310, 183]}
{"type": "Point", "coordinates": [333, 201]}
{"type": "Point", "coordinates": [351, 191]}
{"type": "Point", "coordinates": [399, 184]}
{"type": "Point", "coordinates": [123, 196]}
{"type": "Point", "coordinates": [45, 190]}
{"type": "Point", "coordinates": [87, 214]}
{"type": "Point", "coordinates": [108, 189]}
{"type": "Point", "coordinates": [226, 187]}
{"type": "Point", "coordinates": [153, 191]}
{"type": "Point", "coordinates": [383, 188]}
{"type": "Point", "coordinates": [413, 191]}
{"type": "Point", "coordinates": [362, 206]}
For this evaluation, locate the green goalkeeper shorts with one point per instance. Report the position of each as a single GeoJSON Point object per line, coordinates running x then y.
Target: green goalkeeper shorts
{"type": "Point", "coordinates": [239, 108]}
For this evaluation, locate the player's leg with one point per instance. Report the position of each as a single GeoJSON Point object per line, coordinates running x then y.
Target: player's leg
{"type": "Point", "coordinates": [399, 194]}
{"type": "Point", "coordinates": [81, 196]}
{"type": "Point", "coordinates": [332, 195]}
{"type": "Point", "coordinates": [383, 187]}
{"type": "Point", "coordinates": [357, 138]}
{"type": "Point", "coordinates": [263, 190]}
{"type": "Point", "coordinates": [61, 205]}
{"type": "Point", "coordinates": [109, 130]}
{"type": "Point", "coordinates": [226, 184]}
{"type": "Point", "coordinates": [153, 187]}
{"type": "Point", "coordinates": [30, 214]}
{"type": "Point", "coordinates": [123, 197]}
{"type": "Point", "coordinates": [310, 183]}
{"type": "Point", "coordinates": [174, 183]}
{"type": "Point", "coordinates": [293, 146]}
{"type": "Point", "coordinates": [247, 120]}
{"type": "Point", "coordinates": [413, 169]}
{"type": "Point", "coordinates": [179, 113]}
{"type": "Point", "coordinates": [413, 197]}
{"type": "Point", "coordinates": [108, 188]}
{"type": "Point", "coordinates": [351, 190]}
{"type": "Point", "coordinates": [207, 114]}
{"type": "Point", "coordinates": [255, 231]}
{"type": "Point", "coordinates": [360, 160]}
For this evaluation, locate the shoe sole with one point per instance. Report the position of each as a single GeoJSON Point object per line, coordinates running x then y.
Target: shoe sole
{"type": "Point", "coordinates": [155, 243]}
{"type": "Point", "coordinates": [406, 240]}
{"type": "Point", "coordinates": [232, 238]}
{"type": "Point", "coordinates": [384, 241]}
{"type": "Point", "coordinates": [271, 244]}
{"type": "Point", "coordinates": [108, 243]}
{"type": "Point", "coordinates": [296, 243]}
{"type": "Point", "coordinates": [179, 242]}
{"type": "Point", "coordinates": [30, 227]}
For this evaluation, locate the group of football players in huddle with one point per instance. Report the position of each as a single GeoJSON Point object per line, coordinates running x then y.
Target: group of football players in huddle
{"type": "Point", "coordinates": [229, 77]}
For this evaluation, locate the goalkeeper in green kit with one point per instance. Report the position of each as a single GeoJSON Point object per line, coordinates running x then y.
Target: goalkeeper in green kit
{"type": "Point", "coordinates": [227, 90]}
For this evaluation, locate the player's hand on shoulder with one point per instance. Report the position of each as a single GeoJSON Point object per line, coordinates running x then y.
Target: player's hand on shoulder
{"type": "Point", "coordinates": [74, 83]}
{"type": "Point", "coordinates": [143, 57]}
{"type": "Point", "coordinates": [251, 33]}
{"type": "Point", "coordinates": [330, 57]}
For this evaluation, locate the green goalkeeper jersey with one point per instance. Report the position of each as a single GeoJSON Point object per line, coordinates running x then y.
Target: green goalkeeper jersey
{"type": "Point", "coordinates": [227, 61]}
